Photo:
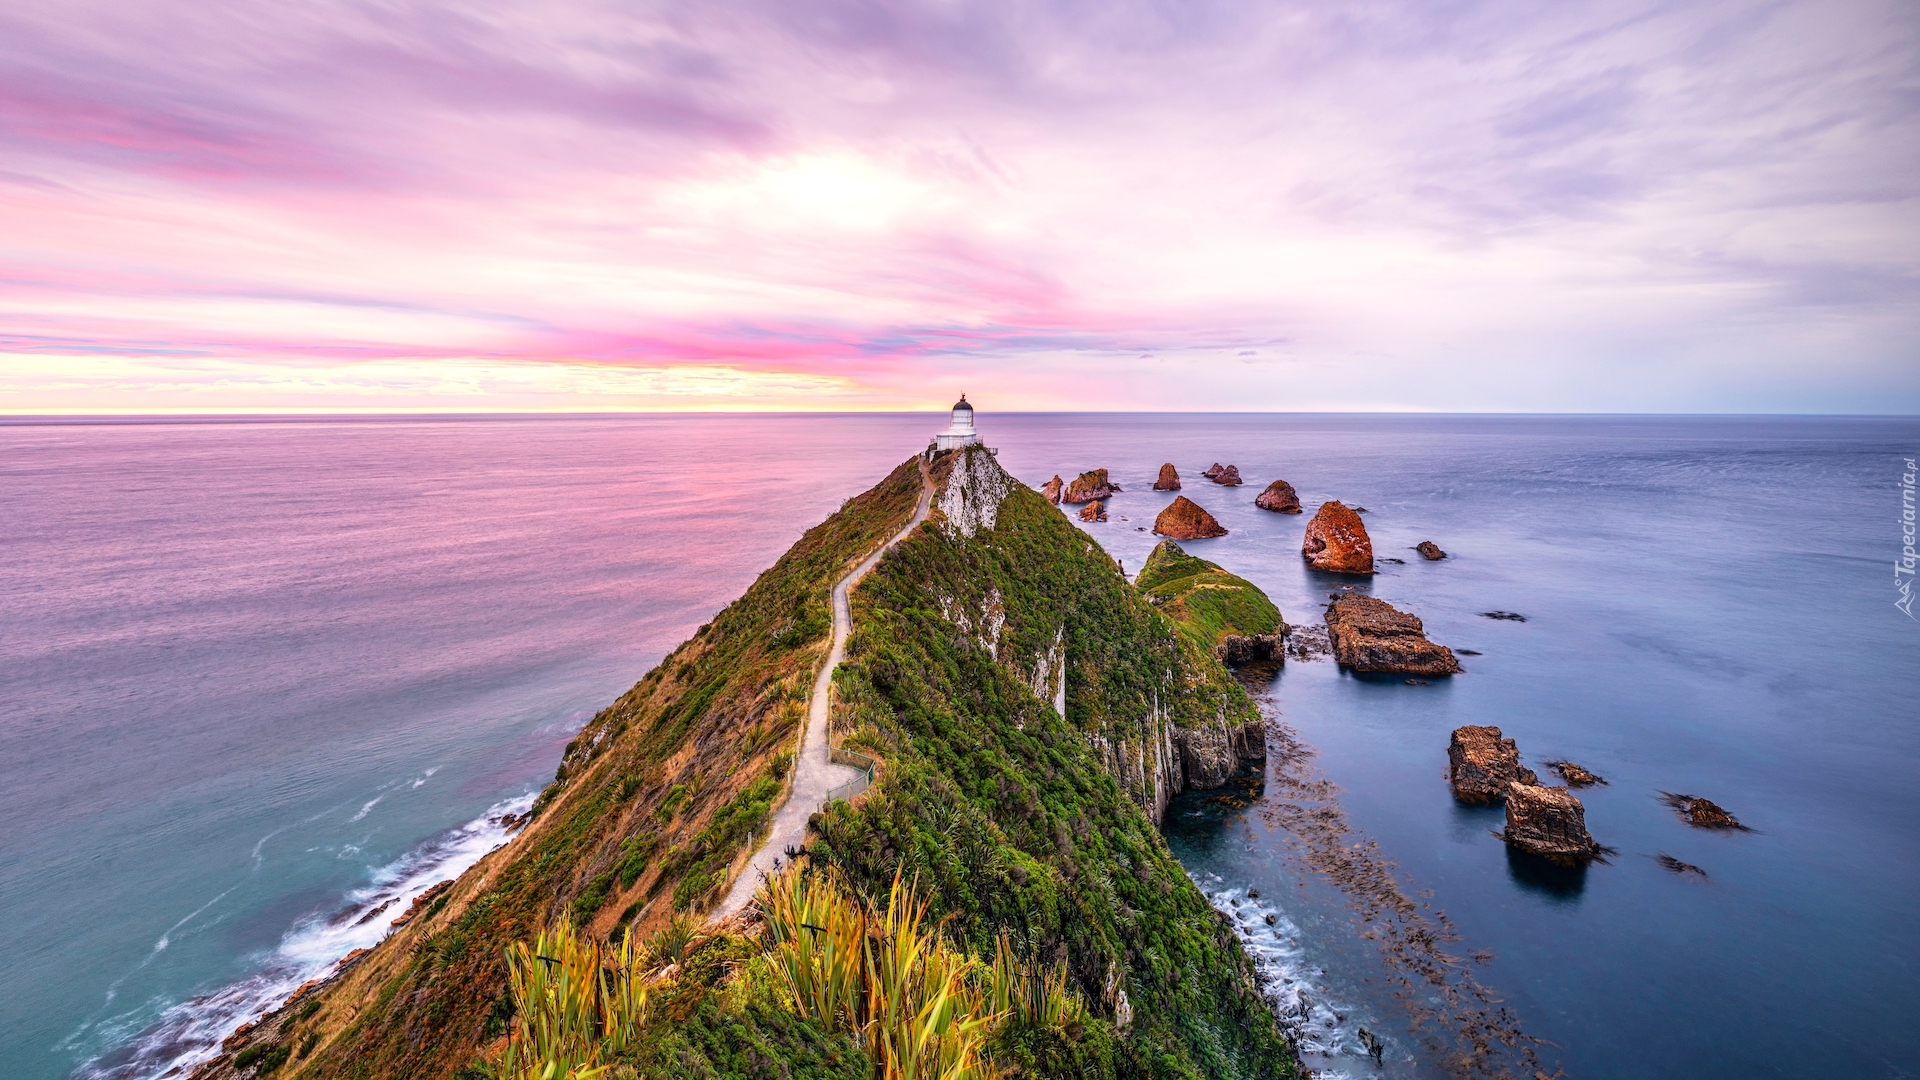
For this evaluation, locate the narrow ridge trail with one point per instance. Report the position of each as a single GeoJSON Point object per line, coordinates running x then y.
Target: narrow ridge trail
{"type": "Point", "coordinates": [813, 774]}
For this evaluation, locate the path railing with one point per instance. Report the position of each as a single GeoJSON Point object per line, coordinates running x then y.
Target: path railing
{"type": "Point", "coordinates": [840, 755]}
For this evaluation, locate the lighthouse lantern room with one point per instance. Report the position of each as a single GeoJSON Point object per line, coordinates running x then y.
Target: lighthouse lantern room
{"type": "Point", "coordinates": [960, 433]}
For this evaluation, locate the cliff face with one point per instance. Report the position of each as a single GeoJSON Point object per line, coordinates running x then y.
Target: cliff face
{"type": "Point", "coordinates": [1031, 714]}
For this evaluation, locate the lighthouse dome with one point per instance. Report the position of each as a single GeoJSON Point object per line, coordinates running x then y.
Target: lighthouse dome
{"type": "Point", "coordinates": [962, 406]}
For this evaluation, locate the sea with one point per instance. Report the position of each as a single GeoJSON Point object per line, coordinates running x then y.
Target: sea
{"type": "Point", "coordinates": [263, 681]}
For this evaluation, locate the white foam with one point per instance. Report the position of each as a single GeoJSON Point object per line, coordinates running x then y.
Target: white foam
{"type": "Point", "coordinates": [1324, 1030]}
{"type": "Point", "coordinates": [189, 1032]}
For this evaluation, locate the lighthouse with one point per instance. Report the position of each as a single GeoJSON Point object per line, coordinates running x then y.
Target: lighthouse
{"type": "Point", "coordinates": [960, 433]}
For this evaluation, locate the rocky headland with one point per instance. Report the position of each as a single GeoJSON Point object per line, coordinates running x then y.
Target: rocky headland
{"type": "Point", "coordinates": [1184, 519]}
{"type": "Point", "coordinates": [1481, 763]}
{"type": "Point", "coordinates": [1223, 612]}
{"type": "Point", "coordinates": [1169, 479]}
{"type": "Point", "coordinates": [1279, 498]}
{"type": "Point", "coordinates": [1337, 542]}
{"type": "Point", "coordinates": [1372, 635]}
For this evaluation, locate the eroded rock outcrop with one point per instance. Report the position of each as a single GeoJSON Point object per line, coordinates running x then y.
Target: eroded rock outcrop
{"type": "Point", "coordinates": [1429, 550]}
{"type": "Point", "coordinates": [1372, 635]}
{"type": "Point", "coordinates": [1089, 486]}
{"type": "Point", "coordinates": [1548, 821]}
{"type": "Point", "coordinates": [1050, 490]}
{"type": "Point", "coordinates": [1701, 813]}
{"type": "Point", "coordinates": [1480, 765]}
{"type": "Point", "coordinates": [1279, 498]}
{"type": "Point", "coordinates": [1210, 756]}
{"type": "Point", "coordinates": [1169, 478]}
{"type": "Point", "coordinates": [1213, 470]}
{"type": "Point", "coordinates": [1228, 477]}
{"type": "Point", "coordinates": [1184, 519]}
{"type": "Point", "coordinates": [1336, 541]}
{"type": "Point", "coordinates": [1094, 511]}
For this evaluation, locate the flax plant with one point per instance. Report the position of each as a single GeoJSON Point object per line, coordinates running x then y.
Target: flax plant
{"type": "Point", "coordinates": [1039, 999]}
{"type": "Point", "coordinates": [578, 1004]}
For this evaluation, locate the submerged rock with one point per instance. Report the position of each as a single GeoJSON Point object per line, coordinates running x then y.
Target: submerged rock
{"type": "Point", "coordinates": [1430, 550]}
{"type": "Point", "coordinates": [1548, 821]}
{"type": "Point", "coordinates": [1229, 476]}
{"type": "Point", "coordinates": [1089, 486]}
{"type": "Point", "coordinates": [1050, 490]}
{"type": "Point", "coordinates": [1184, 519]}
{"type": "Point", "coordinates": [1574, 775]}
{"type": "Point", "coordinates": [1701, 813]}
{"type": "Point", "coordinates": [1169, 478]}
{"type": "Point", "coordinates": [1094, 511]}
{"type": "Point", "coordinates": [1372, 635]}
{"type": "Point", "coordinates": [1504, 616]}
{"type": "Point", "coordinates": [1279, 498]}
{"type": "Point", "coordinates": [1480, 764]}
{"type": "Point", "coordinates": [1336, 541]}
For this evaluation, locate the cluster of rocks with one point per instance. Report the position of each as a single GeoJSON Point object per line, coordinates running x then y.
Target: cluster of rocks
{"type": "Point", "coordinates": [1484, 767]}
{"type": "Point", "coordinates": [1224, 475]}
{"type": "Point", "coordinates": [1336, 541]}
{"type": "Point", "coordinates": [1371, 635]}
{"type": "Point", "coordinates": [1481, 763]}
{"type": "Point", "coordinates": [1184, 519]}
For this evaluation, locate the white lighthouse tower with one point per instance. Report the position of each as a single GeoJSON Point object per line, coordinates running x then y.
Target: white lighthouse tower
{"type": "Point", "coordinates": [961, 432]}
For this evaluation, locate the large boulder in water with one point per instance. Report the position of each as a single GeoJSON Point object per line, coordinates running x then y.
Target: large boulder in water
{"type": "Point", "coordinates": [1337, 541]}
{"type": "Point", "coordinates": [1548, 821]}
{"type": "Point", "coordinates": [1185, 520]}
{"type": "Point", "coordinates": [1279, 498]}
{"type": "Point", "coordinates": [1373, 635]}
{"type": "Point", "coordinates": [1089, 486]}
{"type": "Point", "coordinates": [1429, 550]}
{"type": "Point", "coordinates": [1228, 477]}
{"type": "Point", "coordinates": [1169, 478]}
{"type": "Point", "coordinates": [1480, 764]}
{"type": "Point", "coordinates": [1213, 470]}
{"type": "Point", "coordinates": [1050, 490]}
{"type": "Point", "coordinates": [1093, 511]}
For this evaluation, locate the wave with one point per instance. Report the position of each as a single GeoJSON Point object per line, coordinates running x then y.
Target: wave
{"type": "Point", "coordinates": [190, 1032]}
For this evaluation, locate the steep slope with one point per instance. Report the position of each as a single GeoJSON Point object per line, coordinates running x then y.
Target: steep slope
{"type": "Point", "coordinates": [969, 637]}
{"type": "Point", "coordinates": [1222, 612]}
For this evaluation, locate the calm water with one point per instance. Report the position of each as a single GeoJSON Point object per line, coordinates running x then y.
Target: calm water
{"type": "Point", "coordinates": [261, 677]}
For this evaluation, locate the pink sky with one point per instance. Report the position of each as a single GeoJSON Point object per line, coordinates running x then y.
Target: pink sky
{"type": "Point", "coordinates": [395, 206]}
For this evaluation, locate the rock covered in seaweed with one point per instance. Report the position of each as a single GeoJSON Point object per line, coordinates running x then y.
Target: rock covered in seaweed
{"type": "Point", "coordinates": [1336, 541]}
{"type": "Point", "coordinates": [1372, 635]}
{"type": "Point", "coordinates": [1429, 550]}
{"type": "Point", "coordinates": [1481, 763]}
{"type": "Point", "coordinates": [1701, 813]}
{"type": "Point", "coordinates": [1094, 511]}
{"type": "Point", "coordinates": [1183, 519]}
{"type": "Point", "coordinates": [1228, 477]}
{"type": "Point", "coordinates": [1279, 498]}
{"type": "Point", "coordinates": [1548, 821]}
{"type": "Point", "coordinates": [1050, 490]}
{"type": "Point", "coordinates": [1574, 775]}
{"type": "Point", "coordinates": [1089, 486]}
{"type": "Point", "coordinates": [1169, 478]}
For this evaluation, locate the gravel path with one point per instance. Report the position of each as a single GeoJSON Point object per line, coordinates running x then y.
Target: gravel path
{"type": "Point", "coordinates": [813, 774]}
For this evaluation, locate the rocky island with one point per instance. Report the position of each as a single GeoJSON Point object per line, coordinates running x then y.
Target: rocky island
{"type": "Point", "coordinates": [1169, 479]}
{"type": "Point", "coordinates": [1337, 541]}
{"type": "Point", "coordinates": [1088, 487]}
{"type": "Point", "coordinates": [1279, 498]}
{"type": "Point", "coordinates": [1373, 635]}
{"type": "Point", "coordinates": [995, 674]}
{"type": "Point", "coordinates": [1481, 763]}
{"type": "Point", "coordinates": [1184, 519]}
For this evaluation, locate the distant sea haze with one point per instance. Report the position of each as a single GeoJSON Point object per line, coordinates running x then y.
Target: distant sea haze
{"type": "Point", "coordinates": [263, 677]}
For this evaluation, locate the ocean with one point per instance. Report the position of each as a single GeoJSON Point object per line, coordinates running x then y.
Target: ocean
{"type": "Point", "coordinates": [265, 680]}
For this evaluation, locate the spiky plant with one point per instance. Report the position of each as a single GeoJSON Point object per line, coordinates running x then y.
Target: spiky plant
{"type": "Point", "coordinates": [817, 932]}
{"type": "Point", "coordinates": [1031, 997]}
{"type": "Point", "coordinates": [578, 1005]}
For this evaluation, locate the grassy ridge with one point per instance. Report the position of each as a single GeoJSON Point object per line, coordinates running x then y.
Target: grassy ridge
{"type": "Point", "coordinates": [1206, 602]}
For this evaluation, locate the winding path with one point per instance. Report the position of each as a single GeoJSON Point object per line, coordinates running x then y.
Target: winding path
{"type": "Point", "coordinates": [813, 774]}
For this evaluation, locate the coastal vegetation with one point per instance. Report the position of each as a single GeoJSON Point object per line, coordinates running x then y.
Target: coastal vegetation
{"type": "Point", "coordinates": [1208, 604]}
{"type": "Point", "coordinates": [999, 901]}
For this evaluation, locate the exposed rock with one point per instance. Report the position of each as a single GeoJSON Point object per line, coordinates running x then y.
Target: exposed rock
{"type": "Point", "coordinates": [1279, 498]}
{"type": "Point", "coordinates": [1228, 477]}
{"type": "Point", "coordinates": [1089, 486]}
{"type": "Point", "coordinates": [1372, 635]}
{"type": "Point", "coordinates": [1701, 813]}
{"type": "Point", "coordinates": [1480, 764]}
{"type": "Point", "coordinates": [350, 959]}
{"type": "Point", "coordinates": [1214, 470]}
{"type": "Point", "coordinates": [1094, 511]}
{"type": "Point", "coordinates": [1050, 490]}
{"type": "Point", "coordinates": [975, 487]}
{"type": "Point", "coordinates": [1244, 649]}
{"type": "Point", "coordinates": [301, 991]}
{"type": "Point", "coordinates": [420, 903]}
{"type": "Point", "coordinates": [239, 1037]}
{"type": "Point", "coordinates": [1185, 520]}
{"type": "Point", "coordinates": [1169, 478]}
{"type": "Point", "coordinates": [1677, 866]}
{"type": "Point", "coordinates": [1504, 616]}
{"type": "Point", "coordinates": [1209, 756]}
{"type": "Point", "coordinates": [1574, 775]}
{"type": "Point", "coordinates": [1337, 541]}
{"type": "Point", "coordinates": [1548, 821]}
{"type": "Point", "coordinates": [1430, 550]}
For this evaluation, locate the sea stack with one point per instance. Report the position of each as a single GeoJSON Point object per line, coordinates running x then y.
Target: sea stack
{"type": "Point", "coordinates": [1089, 486]}
{"type": "Point", "coordinates": [1480, 765]}
{"type": "Point", "coordinates": [1228, 477]}
{"type": "Point", "coordinates": [1185, 520]}
{"type": "Point", "coordinates": [1050, 490]}
{"type": "Point", "coordinates": [1336, 541]}
{"type": "Point", "coordinates": [1213, 470]}
{"type": "Point", "coordinates": [1373, 635]}
{"type": "Point", "coordinates": [1429, 550]}
{"type": "Point", "coordinates": [1094, 511]}
{"type": "Point", "coordinates": [1169, 478]}
{"type": "Point", "coordinates": [1548, 821]}
{"type": "Point", "coordinates": [1279, 498]}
